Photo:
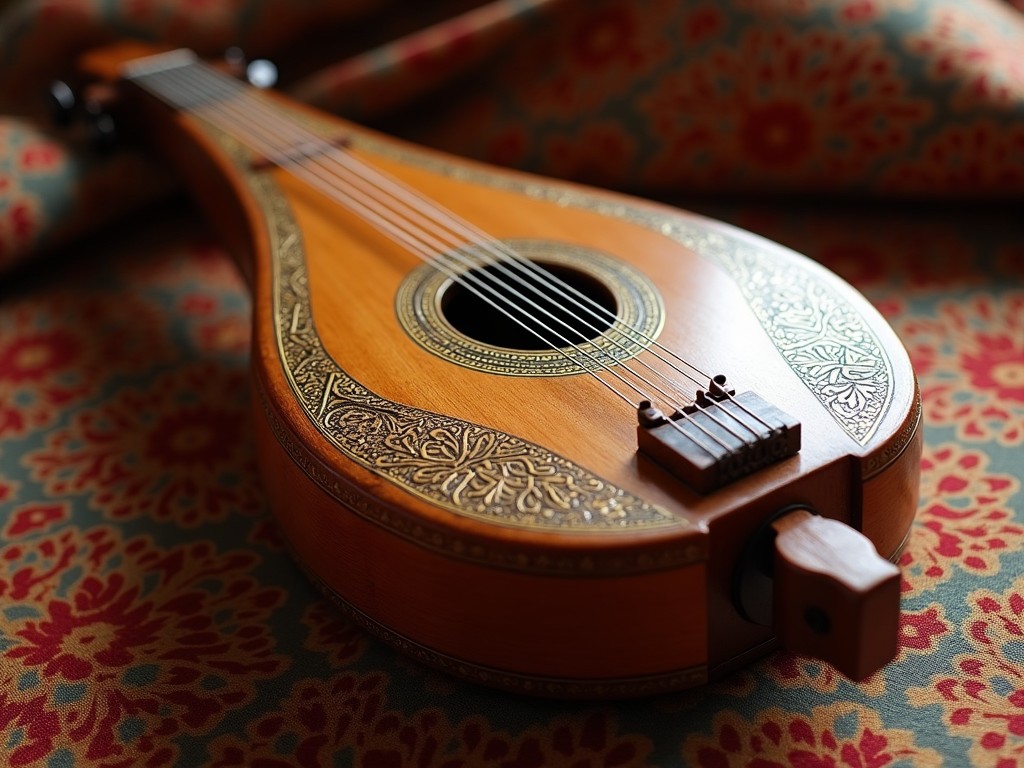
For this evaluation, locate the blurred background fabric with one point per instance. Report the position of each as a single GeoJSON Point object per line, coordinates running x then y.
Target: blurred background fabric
{"type": "Point", "coordinates": [149, 614]}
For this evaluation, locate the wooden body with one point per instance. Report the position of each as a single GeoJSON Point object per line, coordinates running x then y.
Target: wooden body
{"type": "Point", "coordinates": [488, 583]}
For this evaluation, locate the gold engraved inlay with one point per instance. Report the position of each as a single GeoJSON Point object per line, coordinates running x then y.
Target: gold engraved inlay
{"type": "Point", "coordinates": [823, 337]}
{"type": "Point", "coordinates": [463, 467]}
{"type": "Point", "coordinates": [482, 473]}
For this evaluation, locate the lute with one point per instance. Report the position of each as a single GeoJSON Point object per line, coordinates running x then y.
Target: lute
{"type": "Point", "coordinates": [548, 438]}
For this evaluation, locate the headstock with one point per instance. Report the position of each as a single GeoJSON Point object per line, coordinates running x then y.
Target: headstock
{"type": "Point", "coordinates": [93, 95]}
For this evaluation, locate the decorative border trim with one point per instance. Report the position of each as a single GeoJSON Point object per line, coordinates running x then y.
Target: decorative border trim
{"type": "Point", "coordinates": [449, 544]}
{"type": "Point", "coordinates": [895, 447]}
{"type": "Point", "coordinates": [640, 317]}
{"type": "Point", "coordinates": [823, 337]}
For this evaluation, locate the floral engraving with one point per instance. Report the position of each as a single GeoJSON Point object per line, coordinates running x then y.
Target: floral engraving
{"type": "Point", "coordinates": [821, 334]}
{"type": "Point", "coordinates": [483, 471]}
{"type": "Point", "coordinates": [460, 466]}
{"type": "Point", "coordinates": [823, 337]}
{"type": "Point", "coordinates": [480, 472]}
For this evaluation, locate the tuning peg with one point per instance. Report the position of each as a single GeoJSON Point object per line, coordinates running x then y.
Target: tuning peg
{"type": "Point", "coordinates": [234, 61]}
{"type": "Point", "coordinates": [102, 132]}
{"type": "Point", "coordinates": [62, 102]}
{"type": "Point", "coordinates": [99, 100]}
{"type": "Point", "coordinates": [835, 597]}
{"type": "Point", "coordinates": [824, 588]}
{"type": "Point", "coordinates": [260, 73]}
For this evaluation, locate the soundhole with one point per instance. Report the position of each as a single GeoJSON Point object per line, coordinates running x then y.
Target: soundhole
{"type": "Point", "coordinates": [549, 308]}
{"type": "Point", "coordinates": [450, 321]}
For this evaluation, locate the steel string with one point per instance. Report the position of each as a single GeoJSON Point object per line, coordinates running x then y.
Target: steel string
{"type": "Point", "coordinates": [228, 88]}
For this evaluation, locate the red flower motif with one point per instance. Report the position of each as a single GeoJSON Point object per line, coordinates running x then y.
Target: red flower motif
{"type": "Point", "coordinates": [574, 66]}
{"type": "Point", "coordinates": [998, 364]}
{"type": "Point", "coordinates": [778, 739]}
{"type": "Point", "coordinates": [861, 11]}
{"type": "Point", "coordinates": [145, 641]}
{"type": "Point", "coordinates": [200, 304]}
{"type": "Point", "coordinates": [965, 521]}
{"type": "Point", "coordinates": [36, 356]}
{"type": "Point", "coordinates": [983, 155]}
{"type": "Point", "coordinates": [606, 36]}
{"type": "Point", "coordinates": [784, 109]}
{"type": "Point", "coordinates": [226, 334]}
{"type": "Point", "coordinates": [29, 729]}
{"type": "Point", "coordinates": [978, 47]}
{"type": "Point", "coordinates": [789, 670]}
{"type": "Point", "coordinates": [590, 740]}
{"type": "Point", "coordinates": [178, 450]}
{"type": "Point", "coordinates": [36, 377]}
{"type": "Point", "coordinates": [982, 694]}
{"type": "Point", "coordinates": [778, 134]}
{"type": "Point", "coordinates": [267, 534]}
{"type": "Point", "coordinates": [343, 720]}
{"type": "Point", "coordinates": [976, 363]}
{"type": "Point", "coordinates": [333, 635]}
{"type": "Point", "coordinates": [703, 23]}
{"type": "Point", "coordinates": [316, 719]}
{"type": "Point", "coordinates": [191, 438]}
{"type": "Point", "coordinates": [21, 221]}
{"type": "Point", "coordinates": [919, 631]}
{"type": "Point", "coordinates": [99, 634]}
{"type": "Point", "coordinates": [33, 517]}
{"type": "Point", "coordinates": [61, 348]}
{"type": "Point", "coordinates": [40, 157]}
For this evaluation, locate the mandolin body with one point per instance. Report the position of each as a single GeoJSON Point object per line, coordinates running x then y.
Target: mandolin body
{"type": "Point", "coordinates": [486, 510]}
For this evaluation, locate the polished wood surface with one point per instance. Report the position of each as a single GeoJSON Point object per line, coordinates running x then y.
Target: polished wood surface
{"type": "Point", "coordinates": [821, 562]}
{"type": "Point", "coordinates": [576, 612]}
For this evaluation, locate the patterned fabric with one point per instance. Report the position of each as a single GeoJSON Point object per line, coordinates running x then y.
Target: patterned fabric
{"type": "Point", "coordinates": [148, 612]}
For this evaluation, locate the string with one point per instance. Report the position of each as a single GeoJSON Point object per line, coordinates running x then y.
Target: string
{"type": "Point", "coordinates": [404, 238]}
{"type": "Point", "coordinates": [288, 156]}
{"type": "Point", "coordinates": [417, 216]}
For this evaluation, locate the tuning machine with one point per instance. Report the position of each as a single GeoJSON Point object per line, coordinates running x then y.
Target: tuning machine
{"type": "Point", "coordinates": [94, 108]}
{"type": "Point", "coordinates": [62, 103]}
{"type": "Point", "coordinates": [259, 73]}
{"type": "Point", "coordinates": [823, 588]}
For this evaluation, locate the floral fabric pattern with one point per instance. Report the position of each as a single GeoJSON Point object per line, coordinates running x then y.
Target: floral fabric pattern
{"type": "Point", "coordinates": [110, 667]}
{"type": "Point", "coordinates": [841, 734]}
{"type": "Point", "coordinates": [150, 612]}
